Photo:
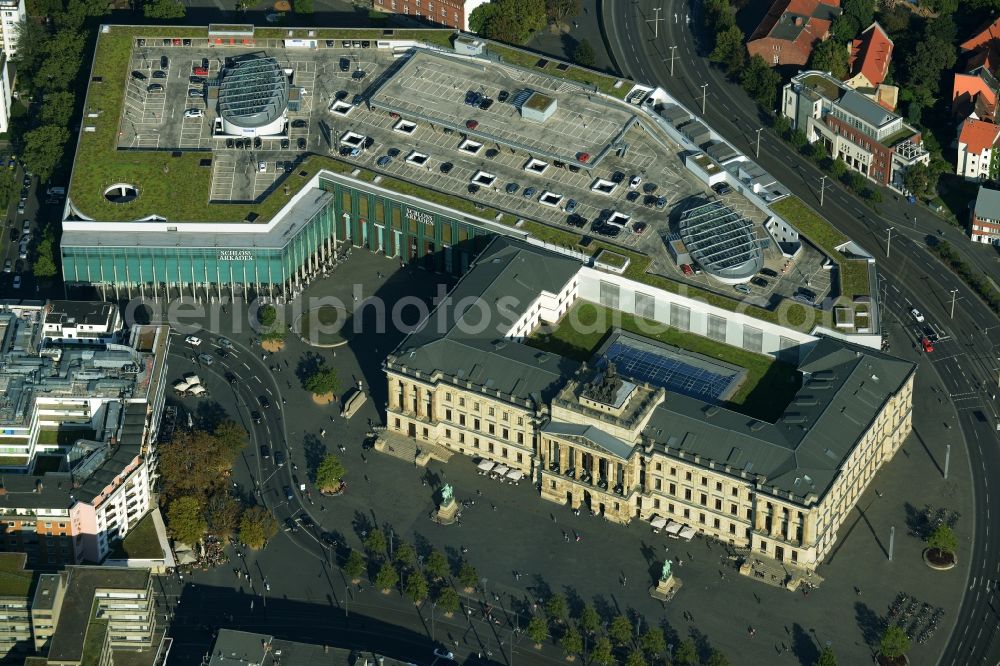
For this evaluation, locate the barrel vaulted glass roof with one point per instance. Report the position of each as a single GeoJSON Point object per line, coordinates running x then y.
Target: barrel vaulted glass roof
{"type": "Point", "coordinates": [722, 241]}
{"type": "Point", "coordinates": [254, 92]}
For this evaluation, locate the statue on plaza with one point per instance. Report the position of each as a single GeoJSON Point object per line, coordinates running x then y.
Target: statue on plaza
{"type": "Point", "coordinates": [665, 575]}
{"type": "Point", "coordinates": [447, 494]}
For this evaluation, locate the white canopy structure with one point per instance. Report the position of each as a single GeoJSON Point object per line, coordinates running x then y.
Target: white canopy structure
{"type": "Point", "coordinates": [658, 522]}
{"type": "Point", "coordinates": [673, 528]}
{"type": "Point", "coordinates": [486, 465]}
{"type": "Point", "coordinates": [515, 475]}
{"type": "Point", "coordinates": [687, 533]}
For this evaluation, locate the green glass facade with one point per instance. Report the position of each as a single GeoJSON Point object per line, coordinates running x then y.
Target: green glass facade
{"type": "Point", "coordinates": [371, 219]}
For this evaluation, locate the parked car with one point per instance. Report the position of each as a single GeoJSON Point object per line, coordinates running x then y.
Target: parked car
{"type": "Point", "coordinates": [759, 281]}
{"type": "Point", "coordinates": [472, 124]}
{"type": "Point", "coordinates": [345, 65]}
{"type": "Point", "coordinates": [447, 167]}
{"type": "Point", "coordinates": [634, 181]}
{"type": "Point", "coordinates": [197, 80]}
{"type": "Point", "coordinates": [358, 74]}
{"type": "Point", "coordinates": [194, 93]}
{"type": "Point", "coordinates": [768, 272]}
{"type": "Point", "coordinates": [299, 123]}
{"type": "Point", "coordinates": [632, 196]}
{"type": "Point", "coordinates": [279, 458]}
{"type": "Point", "coordinates": [159, 74]}
{"type": "Point", "coordinates": [743, 289]}
{"type": "Point", "coordinates": [164, 62]}
{"type": "Point", "coordinates": [571, 206]}
{"type": "Point", "coordinates": [193, 340]}
{"type": "Point", "coordinates": [512, 188]}
{"type": "Point", "coordinates": [138, 76]}
{"type": "Point", "coordinates": [301, 143]}
{"type": "Point", "coordinates": [686, 269]}
{"type": "Point", "coordinates": [528, 192]}
{"type": "Point", "coordinates": [154, 87]}
{"type": "Point", "coordinates": [721, 188]}
{"type": "Point", "coordinates": [503, 96]}
{"type": "Point", "coordinates": [225, 342]}
{"type": "Point", "coordinates": [194, 113]}
{"type": "Point", "coordinates": [485, 103]}
{"type": "Point", "coordinates": [265, 452]}
{"type": "Point", "coordinates": [384, 161]}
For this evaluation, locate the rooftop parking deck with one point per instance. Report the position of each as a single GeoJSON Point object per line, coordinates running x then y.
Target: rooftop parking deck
{"type": "Point", "coordinates": [434, 88]}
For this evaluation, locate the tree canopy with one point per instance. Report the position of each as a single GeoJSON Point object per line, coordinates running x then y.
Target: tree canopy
{"type": "Point", "coordinates": [511, 21]}
{"type": "Point", "coordinates": [186, 521]}
{"type": "Point", "coordinates": [447, 599]}
{"type": "Point", "coordinates": [436, 565]}
{"type": "Point", "coordinates": [164, 9]}
{"type": "Point", "coordinates": [329, 473]}
{"type": "Point", "coordinates": [830, 56]}
{"type": "Point", "coordinates": [43, 148]}
{"type": "Point", "coordinates": [467, 575]}
{"type": "Point", "coordinates": [416, 587]}
{"type": "Point", "coordinates": [894, 642]}
{"type": "Point", "coordinates": [826, 658]}
{"type": "Point", "coordinates": [571, 642]}
{"type": "Point", "coordinates": [583, 54]}
{"type": "Point", "coordinates": [257, 526]}
{"type": "Point", "coordinates": [537, 629]}
{"type": "Point", "coordinates": [387, 577]}
{"type": "Point", "coordinates": [223, 514]}
{"type": "Point", "coordinates": [620, 631]}
{"type": "Point", "coordinates": [322, 381]}
{"type": "Point", "coordinates": [195, 463]}
{"type": "Point", "coordinates": [375, 543]}
{"type": "Point", "coordinates": [943, 539]}
{"type": "Point", "coordinates": [355, 565]}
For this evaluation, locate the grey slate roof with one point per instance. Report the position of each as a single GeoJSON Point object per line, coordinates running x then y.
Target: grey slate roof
{"type": "Point", "coordinates": [459, 345]}
{"type": "Point", "coordinates": [596, 436]}
{"type": "Point", "coordinates": [844, 388]}
{"type": "Point", "coordinates": [988, 204]}
{"type": "Point", "coordinates": [858, 105]}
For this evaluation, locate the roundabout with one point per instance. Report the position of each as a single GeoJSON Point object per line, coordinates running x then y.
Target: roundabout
{"type": "Point", "coordinates": [321, 327]}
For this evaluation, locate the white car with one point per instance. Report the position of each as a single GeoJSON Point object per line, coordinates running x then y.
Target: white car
{"type": "Point", "coordinates": [634, 182]}
{"type": "Point", "coordinates": [194, 113]}
{"type": "Point", "coordinates": [442, 653]}
{"type": "Point", "coordinates": [916, 315]}
{"type": "Point", "coordinates": [193, 340]}
{"type": "Point", "coordinates": [261, 167]}
{"type": "Point", "coordinates": [225, 343]}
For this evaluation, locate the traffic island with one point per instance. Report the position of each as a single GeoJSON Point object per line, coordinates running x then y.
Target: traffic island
{"type": "Point", "coordinates": [323, 398]}
{"type": "Point", "coordinates": [272, 346]}
{"type": "Point", "coordinates": [939, 560]}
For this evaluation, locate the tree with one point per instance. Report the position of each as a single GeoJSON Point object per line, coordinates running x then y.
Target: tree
{"type": "Point", "coordinates": [782, 126]}
{"type": "Point", "coordinates": [257, 526]}
{"type": "Point", "coordinates": [303, 6]}
{"type": "Point", "coordinates": [557, 10]}
{"type": "Point", "coordinates": [223, 514]}
{"type": "Point", "coordinates": [45, 262]}
{"type": "Point", "coordinates": [943, 539]}
{"type": "Point", "coordinates": [571, 643]}
{"type": "Point", "coordinates": [405, 555]}
{"type": "Point", "coordinates": [481, 15]}
{"type": "Point", "coordinates": [830, 56]}
{"type": "Point", "coordinates": [717, 658]}
{"type": "Point", "coordinates": [760, 82]}
{"type": "Point", "coordinates": [43, 148]}
{"type": "Point", "coordinates": [537, 629]}
{"type": "Point", "coordinates": [447, 599]}
{"type": "Point", "coordinates": [355, 565]}
{"type": "Point", "coordinates": [584, 55]}
{"type": "Point", "coordinates": [838, 168]}
{"type": "Point", "coordinates": [375, 544]}
{"type": "Point", "coordinates": [194, 463]}
{"type": "Point", "coordinates": [817, 151]}
{"type": "Point", "coordinates": [730, 50]}
{"type": "Point", "coordinates": [872, 195]}
{"type": "Point", "coordinates": [620, 631]}
{"type": "Point", "coordinates": [921, 180]}
{"type": "Point", "coordinates": [556, 607]}
{"type": "Point", "coordinates": [186, 521]}
{"type": "Point", "coordinates": [798, 139]}
{"type": "Point", "coordinates": [686, 653]}
{"type": "Point", "coordinates": [322, 381]}
{"type": "Point", "coordinates": [826, 658]}
{"type": "Point", "coordinates": [267, 315]}
{"type": "Point", "coordinates": [467, 575]}
{"type": "Point", "coordinates": [857, 182]}
{"type": "Point", "coordinates": [164, 9]}
{"type": "Point", "coordinates": [856, 16]}
{"type": "Point", "coordinates": [63, 54]}
{"type": "Point", "coordinates": [894, 643]}
{"type": "Point", "coordinates": [416, 587]}
{"type": "Point", "coordinates": [387, 577]}
{"type": "Point", "coordinates": [652, 642]}
{"type": "Point", "coordinates": [57, 108]}
{"type": "Point", "coordinates": [589, 620]}
{"type": "Point", "coordinates": [231, 438]}
{"type": "Point", "coordinates": [436, 565]}
{"type": "Point", "coordinates": [635, 658]}
{"type": "Point", "coordinates": [601, 652]}
{"type": "Point", "coordinates": [329, 473]}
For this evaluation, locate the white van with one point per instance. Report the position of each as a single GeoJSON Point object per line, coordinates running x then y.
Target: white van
{"type": "Point", "coordinates": [56, 191]}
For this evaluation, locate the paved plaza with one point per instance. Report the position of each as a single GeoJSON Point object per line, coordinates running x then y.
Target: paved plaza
{"type": "Point", "coordinates": [518, 544]}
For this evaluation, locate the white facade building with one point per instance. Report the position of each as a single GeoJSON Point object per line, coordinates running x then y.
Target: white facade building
{"type": "Point", "coordinates": [13, 14]}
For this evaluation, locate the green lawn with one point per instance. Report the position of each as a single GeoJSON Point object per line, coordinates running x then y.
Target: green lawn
{"type": "Point", "coordinates": [853, 272]}
{"type": "Point", "coordinates": [14, 580]}
{"type": "Point", "coordinates": [767, 390]}
{"type": "Point", "coordinates": [64, 436]}
{"type": "Point", "coordinates": [141, 542]}
{"type": "Point", "coordinates": [93, 643]}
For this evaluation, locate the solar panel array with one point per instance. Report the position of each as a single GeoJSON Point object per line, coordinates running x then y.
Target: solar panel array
{"type": "Point", "coordinates": [669, 372]}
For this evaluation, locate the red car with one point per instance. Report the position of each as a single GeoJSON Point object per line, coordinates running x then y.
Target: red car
{"type": "Point", "coordinates": [926, 344]}
{"type": "Point", "coordinates": [687, 269]}
{"type": "Point", "coordinates": [472, 124]}
{"type": "Point", "coordinates": [583, 157]}
{"type": "Point", "coordinates": [199, 71]}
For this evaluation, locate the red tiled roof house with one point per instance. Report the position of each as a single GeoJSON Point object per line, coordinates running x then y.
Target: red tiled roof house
{"type": "Point", "coordinates": [790, 30]}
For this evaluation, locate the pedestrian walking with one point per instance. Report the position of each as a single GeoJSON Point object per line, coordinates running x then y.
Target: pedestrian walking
{"type": "Point", "coordinates": [624, 581]}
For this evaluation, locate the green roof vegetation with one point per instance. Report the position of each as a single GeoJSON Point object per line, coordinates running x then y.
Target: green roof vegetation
{"type": "Point", "coordinates": [93, 644]}
{"type": "Point", "coordinates": [764, 394]}
{"type": "Point", "coordinates": [853, 272]}
{"type": "Point", "coordinates": [528, 60]}
{"type": "Point", "coordinates": [15, 581]}
{"type": "Point", "coordinates": [19, 461]}
{"type": "Point", "coordinates": [64, 436]}
{"type": "Point", "coordinates": [141, 543]}
{"type": "Point", "coordinates": [822, 85]}
{"type": "Point", "coordinates": [611, 258]}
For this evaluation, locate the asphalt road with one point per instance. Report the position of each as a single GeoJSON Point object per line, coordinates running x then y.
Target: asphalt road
{"type": "Point", "coordinates": [967, 364]}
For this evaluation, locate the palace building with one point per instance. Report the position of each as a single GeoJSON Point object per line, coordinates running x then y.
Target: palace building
{"type": "Point", "coordinates": [643, 431]}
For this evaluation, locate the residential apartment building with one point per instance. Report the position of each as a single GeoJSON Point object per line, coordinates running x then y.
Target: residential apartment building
{"type": "Point", "coordinates": [977, 154]}
{"type": "Point", "coordinates": [86, 615]}
{"type": "Point", "coordinates": [6, 91]}
{"type": "Point", "coordinates": [782, 489]}
{"type": "Point", "coordinates": [791, 28]}
{"type": "Point", "coordinates": [984, 227]}
{"type": "Point", "coordinates": [869, 138]}
{"type": "Point", "coordinates": [868, 60]}
{"type": "Point", "coordinates": [16, 584]}
{"type": "Point", "coordinates": [450, 13]}
{"type": "Point", "coordinates": [79, 425]}
{"type": "Point", "coordinates": [13, 14]}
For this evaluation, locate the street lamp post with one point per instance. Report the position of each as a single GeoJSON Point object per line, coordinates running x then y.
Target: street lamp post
{"type": "Point", "coordinates": [704, 97]}
{"type": "Point", "coordinates": [888, 242]}
{"type": "Point", "coordinates": [822, 190]}
{"type": "Point", "coordinates": [758, 141]}
{"type": "Point", "coordinates": [672, 57]}
{"type": "Point", "coordinates": [656, 22]}
{"type": "Point", "coordinates": [433, 606]}
{"type": "Point", "coordinates": [953, 293]}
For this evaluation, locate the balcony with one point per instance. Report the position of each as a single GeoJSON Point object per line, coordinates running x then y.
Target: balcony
{"type": "Point", "coordinates": [602, 483]}
{"type": "Point", "coordinates": [571, 473]}
{"type": "Point", "coordinates": [555, 468]}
